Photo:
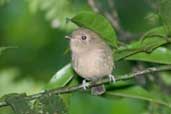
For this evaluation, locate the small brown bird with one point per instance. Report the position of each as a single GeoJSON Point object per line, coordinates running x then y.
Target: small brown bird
{"type": "Point", "coordinates": [91, 57]}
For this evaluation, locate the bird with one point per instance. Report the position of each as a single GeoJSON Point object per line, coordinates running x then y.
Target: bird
{"type": "Point", "coordinates": [92, 57]}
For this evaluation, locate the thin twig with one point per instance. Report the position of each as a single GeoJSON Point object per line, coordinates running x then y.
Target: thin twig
{"type": "Point", "coordinates": [114, 15]}
{"type": "Point", "coordinates": [93, 5]}
{"type": "Point", "coordinates": [64, 90]}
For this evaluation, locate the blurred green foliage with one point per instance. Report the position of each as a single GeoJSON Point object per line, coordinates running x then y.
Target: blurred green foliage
{"type": "Point", "coordinates": [32, 50]}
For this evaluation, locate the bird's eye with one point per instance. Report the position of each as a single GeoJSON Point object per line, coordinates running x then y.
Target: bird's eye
{"type": "Point", "coordinates": [83, 37]}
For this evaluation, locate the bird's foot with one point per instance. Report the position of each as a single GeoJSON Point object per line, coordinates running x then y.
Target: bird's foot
{"type": "Point", "coordinates": [85, 84]}
{"type": "Point", "coordinates": [112, 78]}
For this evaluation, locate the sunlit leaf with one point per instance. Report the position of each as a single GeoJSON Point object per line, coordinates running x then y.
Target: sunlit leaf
{"type": "Point", "coordinates": [136, 90]}
{"type": "Point", "coordinates": [150, 41]}
{"type": "Point", "coordinates": [158, 31]}
{"type": "Point", "coordinates": [62, 77]}
{"type": "Point", "coordinates": [97, 23]}
{"type": "Point", "coordinates": [139, 93]}
{"type": "Point", "coordinates": [101, 105]}
{"type": "Point", "coordinates": [160, 55]}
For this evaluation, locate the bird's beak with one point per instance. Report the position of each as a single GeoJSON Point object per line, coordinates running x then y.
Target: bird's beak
{"type": "Point", "coordinates": [68, 37]}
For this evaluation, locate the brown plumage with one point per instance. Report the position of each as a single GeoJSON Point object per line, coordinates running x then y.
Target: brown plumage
{"type": "Point", "coordinates": [91, 57]}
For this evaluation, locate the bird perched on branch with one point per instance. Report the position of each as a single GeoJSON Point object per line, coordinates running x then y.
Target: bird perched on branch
{"type": "Point", "coordinates": [91, 57]}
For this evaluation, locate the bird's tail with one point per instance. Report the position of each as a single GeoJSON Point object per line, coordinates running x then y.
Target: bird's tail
{"type": "Point", "coordinates": [98, 90]}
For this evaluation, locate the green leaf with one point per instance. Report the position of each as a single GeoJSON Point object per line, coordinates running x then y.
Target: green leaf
{"type": "Point", "coordinates": [160, 55]}
{"type": "Point", "coordinates": [139, 93]}
{"type": "Point", "coordinates": [165, 7]}
{"type": "Point", "coordinates": [97, 23]}
{"type": "Point", "coordinates": [101, 105]}
{"type": "Point", "coordinates": [62, 77]}
{"type": "Point", "coordinates": [158, 31]}
{"type": "Point", "coordinates": [136, 90]}
{"type": "Point", "coordinates": [150, 41]}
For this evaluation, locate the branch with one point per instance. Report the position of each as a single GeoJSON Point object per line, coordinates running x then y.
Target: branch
{"type": "Point", "coordinates": [64, 90]}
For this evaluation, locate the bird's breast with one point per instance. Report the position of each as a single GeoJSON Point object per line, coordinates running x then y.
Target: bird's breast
{"type": "Point", "coordinates": [93, 64]}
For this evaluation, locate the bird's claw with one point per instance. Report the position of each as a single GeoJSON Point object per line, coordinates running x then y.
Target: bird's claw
{"type": "Point", "coordinates": [85, 84]}
{"type": "Point", "coordinates": [112, 78]}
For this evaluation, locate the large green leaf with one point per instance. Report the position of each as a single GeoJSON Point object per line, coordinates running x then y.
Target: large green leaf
{"type": "Point", "coordinates": [134, 48]}
{"type": "Point", "coordinates": [159, 55]}
{"type": "Point", "coordinates": [62, 77]}
{"type": "Point", "coordinates": [101, 105]}
{"type": "Point", "coordinates": [150, 41]}
{"type": "Point", "coordinates": [158, 31]}
{"type": "Point", "coordinates": [165, 7]}
{"type": "Point", "coordinates": [139, 93]}
{"type": "Point", "coordinates": [97, 23]}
